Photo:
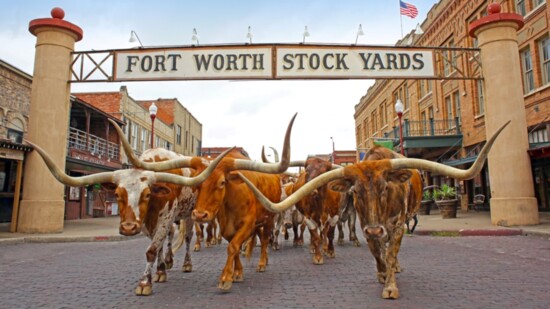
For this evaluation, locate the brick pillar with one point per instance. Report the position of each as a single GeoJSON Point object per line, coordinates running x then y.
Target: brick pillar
{"type": "Point", "coordinates": [512, 193]}
{"type": "Point", "coordinates": [43, 204]}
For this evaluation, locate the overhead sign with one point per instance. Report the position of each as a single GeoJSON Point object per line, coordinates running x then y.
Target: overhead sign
{"type": "Point", "coordinates": [273, 62]}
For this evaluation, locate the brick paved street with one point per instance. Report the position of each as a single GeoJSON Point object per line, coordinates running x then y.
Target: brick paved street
{"type": "Point", "coordinates": [439, 272]}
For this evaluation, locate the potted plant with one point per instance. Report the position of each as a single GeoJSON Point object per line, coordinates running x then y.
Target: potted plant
{"type": "Point", "coordinates": [426, 204]}
{"type": "Point", "coordinates": [446, 200]}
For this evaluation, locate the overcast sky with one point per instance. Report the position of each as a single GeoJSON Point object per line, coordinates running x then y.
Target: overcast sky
{"type": "Point", "coordinates": [233, 113]}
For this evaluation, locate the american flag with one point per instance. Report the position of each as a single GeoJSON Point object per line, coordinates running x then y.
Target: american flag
{"type": "Point", "coordinates": [408, 9]}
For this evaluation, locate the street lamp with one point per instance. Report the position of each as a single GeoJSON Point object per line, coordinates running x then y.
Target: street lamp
{"type": "Point", "coordinates": [399, 110]}
{"type": "Point", "coordinates": [305, 35]}
{"type": "Point", "coordinates": [359, 32]}
{"type": "Point", "coordinates": [153, 113]}
{"type": "Point", "coordinates": [134, 37]}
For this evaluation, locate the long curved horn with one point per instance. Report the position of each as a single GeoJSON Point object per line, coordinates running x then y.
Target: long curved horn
{"type": "Point", "coordinates": [299, 194]}
{"type": "Point", "coordinates": [184, 161]}
{"type": "Point", "coordinates": [275, 153]}
{"type": "Point", "coordinates": [271, 168]}
{"type": "Point", "coordinates": [446, 170]}
{"type": "Point", "coordinates": [192, 181]}
{"type": "Point", "coordinates": [69, 180]}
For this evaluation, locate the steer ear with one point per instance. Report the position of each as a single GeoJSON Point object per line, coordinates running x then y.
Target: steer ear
{"type": "Point", "coordinates": [340, 185]}
{"type": "Point", "coordinates": [159, 190]}
{"type": "Point", "coordinates": [398, 175]}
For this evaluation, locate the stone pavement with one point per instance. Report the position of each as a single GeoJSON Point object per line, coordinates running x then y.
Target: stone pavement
{"type": "Point", "coordinates": [469, 223]}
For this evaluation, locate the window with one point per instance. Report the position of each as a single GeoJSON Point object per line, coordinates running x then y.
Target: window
{"type": "Point", "coordinates": [544, 46]}
{"type": "Point", "coordinates": [527, 67]}
{"type": "Point", "coordinates": [382, 109]}
{"type": "Point", "coordinates": [449, 108]}
{"type": "Point", "coordinates": [536, 3]}
{"type": "Point", "coordinates": [520, 7]}
{"type": "Point", "coordinates": [143, 139]}
{"type": "Point", "coordinates": [15, 136]}
{"type": "Point", "coordinates": [456, 101]}
{"type": "Point", "coordinates": [374, 125]}
{"type": "Point", "coordinates": [134, 137]}
{"type": "Point", "coordinates": [178, 135]}
{"type": "Point", "coordinates": [480, 108]}
{"type": "Point", "coordinates": [424, 123]}
{"type": "Point", "coordinates": [538, 136]}
{"type": "Point", "coordinates": [449, 59]}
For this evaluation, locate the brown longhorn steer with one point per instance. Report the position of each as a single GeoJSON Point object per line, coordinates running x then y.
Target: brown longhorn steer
{"type": "Point", "coordinates": [148, 201]}
{"type": "Point", "coordinates": [320, 208]}
{"type": "Point", "coordinates": [347, 213]}
{"type": "Point", "coordinates": [380, 200]}
{"type": "Point", "coordinates": [224, 196]}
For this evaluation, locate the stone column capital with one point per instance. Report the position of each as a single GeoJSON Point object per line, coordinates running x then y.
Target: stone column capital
{"type": "Point", "coordinates": [56, 22]}
{"type": "Point", "coordinates": [495, 16]}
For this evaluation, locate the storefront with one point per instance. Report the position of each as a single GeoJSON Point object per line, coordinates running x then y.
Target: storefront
{"type": "Point", "coordinates": [12, 156]}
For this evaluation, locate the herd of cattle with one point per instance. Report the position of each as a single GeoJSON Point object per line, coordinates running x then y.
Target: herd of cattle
{"type": "Point", "coordinates": [248, 200]}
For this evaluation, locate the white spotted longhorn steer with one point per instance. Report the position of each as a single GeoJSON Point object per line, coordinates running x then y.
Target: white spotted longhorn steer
{"type": "Point", "coordinates": [148, 200]}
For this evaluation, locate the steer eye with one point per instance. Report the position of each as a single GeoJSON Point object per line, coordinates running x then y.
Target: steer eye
{"type": "Point", "coordinates": [148, 195]}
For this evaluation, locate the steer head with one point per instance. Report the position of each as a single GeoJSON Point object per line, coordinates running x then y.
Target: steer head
{"type": "Point", "coordinates": [379, 195]}
{"type": "Point", "coordinates": [212, 192]}
{"type": "Point", "coordinates": [134, 188]}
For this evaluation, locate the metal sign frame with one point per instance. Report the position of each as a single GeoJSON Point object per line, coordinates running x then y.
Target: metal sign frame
{"type": "Point", "coordinates": [445, 62]}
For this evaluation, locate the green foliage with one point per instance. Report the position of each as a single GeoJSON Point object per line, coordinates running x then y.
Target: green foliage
{"type": "Point", "coordinates": [427, 195]}
{"type": "Point", "coordinates": [445, 192]}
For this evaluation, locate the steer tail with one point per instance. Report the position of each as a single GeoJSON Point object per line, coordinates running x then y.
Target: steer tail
{"type": "Point", "coordinates": [181, 236]}
{"type": "Point", "coordinates": [250, 244]}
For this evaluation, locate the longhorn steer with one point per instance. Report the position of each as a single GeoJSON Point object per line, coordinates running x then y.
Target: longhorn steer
{"type": "Point", "coordinates": [320, 208]}
{"type": "Point", "coordinates": [412, 188]}
{"type": "Point", "coordinates": [148, 201]}
{"type": "Point", "coordinates": [224, 196]}
{"type": "Point", "coordinates": [347, 214]}
{"type": "Point", "coordinates": [380, 201]}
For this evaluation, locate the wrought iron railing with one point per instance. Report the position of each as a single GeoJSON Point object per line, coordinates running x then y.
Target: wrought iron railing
{"type": "Point", "coordinates": [95, 145]}
{"type": "Point", "coordinates": [431, 127]}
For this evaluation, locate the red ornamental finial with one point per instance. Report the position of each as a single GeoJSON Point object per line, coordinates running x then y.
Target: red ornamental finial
{"type": "Point", "coordinates": [58, 13]}
{"type": "Point", "coordinates": [494, 8]}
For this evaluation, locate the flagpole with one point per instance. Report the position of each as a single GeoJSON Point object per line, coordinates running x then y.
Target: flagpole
{"type": "Point", "coordinates": [401, 19]}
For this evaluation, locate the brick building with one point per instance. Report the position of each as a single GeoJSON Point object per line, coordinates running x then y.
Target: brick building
{"type": "Point", "coordinates": [444, 120]}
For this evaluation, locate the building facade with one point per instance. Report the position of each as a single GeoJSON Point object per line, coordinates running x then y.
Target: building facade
{"type": "Point", "coordinates": [15, 91]}
{"type": "Point", "coordinates": [444, 119]}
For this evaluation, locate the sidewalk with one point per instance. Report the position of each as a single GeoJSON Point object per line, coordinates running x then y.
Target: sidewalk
{"type": "Point", "coordinates": [466, 224]}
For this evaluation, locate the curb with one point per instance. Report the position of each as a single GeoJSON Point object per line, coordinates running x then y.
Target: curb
{"type": "Point", "coordinates": [470, 232]}
{"type": "Point", "coordinates": [63, 239]}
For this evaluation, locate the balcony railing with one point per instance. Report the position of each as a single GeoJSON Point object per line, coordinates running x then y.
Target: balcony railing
{"type": "Point", "coordinates": [431, 127]}
{"type": "Point", "coordinates": [97, 146]}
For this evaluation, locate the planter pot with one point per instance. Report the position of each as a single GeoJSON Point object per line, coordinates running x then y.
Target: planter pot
{"type": "Point", "coordinates": [447, 208]}
{"type": "Point", "coordinates": [425, 207]}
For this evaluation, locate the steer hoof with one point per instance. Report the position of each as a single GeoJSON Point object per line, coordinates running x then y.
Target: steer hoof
{"type": "Point", "coordinates": [225, 285]}
{"type": "Point", "coordinates": [390, 293]}
{"type": "Point", "coordinates": [340, 242]}
{"type": "Point", "coordinates": [169, 264]}
{"type": "Point", "coordinates": [238, 277]}
{"type": "Point", "coordinates": [318, 260]}
{"type": "Point", "coordinates": [144, 289]}
{"type": "Point", "coordinates": [260, 268]}
{"type": "Point", "coordinates": [356, 243]}
{"type": "Point", "coordinates": [197, 248]}
{"type": "Point", "coordinates": [330, 254]}
{"type": "Point", "coordinates": [160, 276]}
{"type": "Point", "coordinates": [275, 246]}
{"type": "Point", "coordinates": [187, 268]}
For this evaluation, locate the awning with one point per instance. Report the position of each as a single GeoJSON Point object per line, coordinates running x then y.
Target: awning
{"type": "Point", "coordinates": [461, 161]}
